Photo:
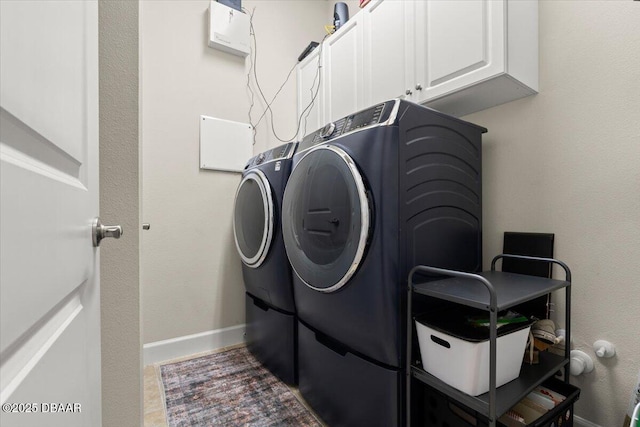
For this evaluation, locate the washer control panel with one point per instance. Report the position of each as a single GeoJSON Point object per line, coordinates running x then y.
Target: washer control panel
{"type": "Point", "coordinates": [360, 120]}
{"type": "Point", "coordinates": [328, 130]}
{"type": "Point", "coordinates": [363, 119]}
{"type": "Point", "coordinates": [281, 152]}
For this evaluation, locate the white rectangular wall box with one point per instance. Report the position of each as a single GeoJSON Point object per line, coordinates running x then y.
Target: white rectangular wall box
{"type": "Point", "coordinates": [224, 145]}
{"type": "Point", "coordinates": [228, 29]}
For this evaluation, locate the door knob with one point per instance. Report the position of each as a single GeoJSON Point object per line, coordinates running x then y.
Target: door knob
{"type": "Point", "coordinates": [100, 231]}
{"type": "Point", "coordinates": [146, 226]}
{"type": "Point", "coordinates": [418, 86]}
{"type": "Point", "coordinates": [408, 92]}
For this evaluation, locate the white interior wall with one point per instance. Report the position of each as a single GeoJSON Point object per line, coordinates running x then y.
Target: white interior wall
{"type": "Point", "coordinates": [191, 275]}
{"type": "Point", "coordinates": [567, 161]}
{"type": "Point", "coordinates": [562, 161]}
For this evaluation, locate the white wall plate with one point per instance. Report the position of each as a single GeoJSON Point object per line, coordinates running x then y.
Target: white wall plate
{"type": "Point", "coordinates": [224, 145]}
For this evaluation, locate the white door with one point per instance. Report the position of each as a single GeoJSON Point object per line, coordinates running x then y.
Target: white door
{"type": "Point", "coordinates": [49, 277]}
{"type": "Point", "coordinates": [310, 92]}
{"type": "Point", "coordinates": [343, 70]}
{"type": "Point", "coordinates": [388, 51]}
{"type": "Point", "coordinates": [460, 44]}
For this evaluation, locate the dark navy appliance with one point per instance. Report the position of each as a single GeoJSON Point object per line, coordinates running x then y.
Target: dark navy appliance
{"type": "Point", "coordinates": [370, 196]}
{"type": "Point", "coordinates": [270, 310]}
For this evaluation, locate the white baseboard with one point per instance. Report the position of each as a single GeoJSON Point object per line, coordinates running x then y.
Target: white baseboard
{"type": "Point", "coordinates": [581, 422]}
{"type": "Point", "coordinates": [174, 348]}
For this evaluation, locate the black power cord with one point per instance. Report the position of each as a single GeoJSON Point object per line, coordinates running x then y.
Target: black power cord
{"type": "Point", "coordinates": [253, 67]}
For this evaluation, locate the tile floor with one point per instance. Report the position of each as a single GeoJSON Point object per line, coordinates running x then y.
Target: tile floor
{"type": "Point", "coordinates": [154, 409]}
{"type": "Point", "coordinates": [154, 412]}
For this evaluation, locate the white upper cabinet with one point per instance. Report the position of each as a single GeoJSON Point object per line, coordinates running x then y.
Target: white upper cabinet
{"type": "Point", "coordinates": [388, 50]}
{"type": "Point", "coordinates": [461, 38]}
{"type": "Point", "coordinates": [343, 56]}
{"type": "Point", "coordinates": [476, 54]}
{"type": "Point", "coordinates": [457, 56]}
{"type": "Point", "coordinates": [310, 93]}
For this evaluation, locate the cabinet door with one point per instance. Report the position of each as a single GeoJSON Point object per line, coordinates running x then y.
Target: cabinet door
{"type": "Point", "coordinates": [344, 67]}
{"type": "Point", "coordinates": [459, 43]}
{"type": "Point", "coordinates": [388, 50]}
{"type": "Point", "coordinates": [310, 93]}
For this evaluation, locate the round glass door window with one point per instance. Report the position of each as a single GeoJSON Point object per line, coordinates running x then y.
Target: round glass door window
{"type": "Point", "coordinates": [325, 218]}
{"type": "Point", "coordinates": [253, 218]}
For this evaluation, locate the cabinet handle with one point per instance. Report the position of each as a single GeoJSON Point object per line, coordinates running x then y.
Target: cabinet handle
{"type": "Point", "coordinates": [418, 86]}
{"type": "Point", "coordinates": [408, 92]}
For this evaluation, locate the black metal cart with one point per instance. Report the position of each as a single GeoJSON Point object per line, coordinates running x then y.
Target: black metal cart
{"type": "Point", "coordinates": [492, 291]}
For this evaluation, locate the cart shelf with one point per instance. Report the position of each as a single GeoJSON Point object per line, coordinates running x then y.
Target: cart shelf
{"type": "Point", "coordinates": [507, 395]}
{"type": "Point", "coordinates": [510, 288]}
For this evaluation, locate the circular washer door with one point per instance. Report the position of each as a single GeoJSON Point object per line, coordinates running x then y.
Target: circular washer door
{"type": "Point", "coordinates": [253, 218]}
{"type": "Point", "coordinates": [325, 218]}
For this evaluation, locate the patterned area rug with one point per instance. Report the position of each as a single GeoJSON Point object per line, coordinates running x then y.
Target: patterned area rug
{"type": "Point", "coordinates": [229, 389]}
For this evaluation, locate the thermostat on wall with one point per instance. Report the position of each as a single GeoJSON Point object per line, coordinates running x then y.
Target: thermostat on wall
{"type": "Point", "coordinates": [228, 29]}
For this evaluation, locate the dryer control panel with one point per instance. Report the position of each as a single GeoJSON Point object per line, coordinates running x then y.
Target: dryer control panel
{"type": "Point", "coordinates": [362, 119]}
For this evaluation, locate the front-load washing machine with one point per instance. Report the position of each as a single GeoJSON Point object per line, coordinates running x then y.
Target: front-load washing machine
{"type": "Point", "coordinates": [270, 311]}
{"type": "Point", "coordinates": [369, 197]}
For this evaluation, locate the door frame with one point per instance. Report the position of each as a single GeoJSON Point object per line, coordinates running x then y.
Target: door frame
{"type": "Point", "coordinates": [120, 203]}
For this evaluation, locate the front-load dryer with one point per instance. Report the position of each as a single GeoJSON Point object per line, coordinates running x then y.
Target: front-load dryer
{"type": "Point", "coordinates": [270, 310]}
{"type": "Point", "coordinates": [369, 197]}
